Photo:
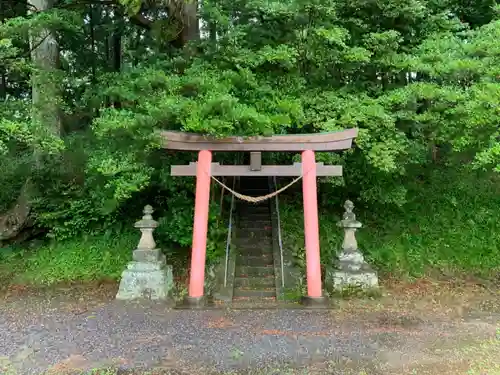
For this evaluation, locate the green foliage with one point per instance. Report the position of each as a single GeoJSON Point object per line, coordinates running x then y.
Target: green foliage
{"type": "Point", "coordinates": [450, 224]}
{"type": "Point", "coordinates": [82, 259]}
{"type": "Point", "coordinates": [177, 227]}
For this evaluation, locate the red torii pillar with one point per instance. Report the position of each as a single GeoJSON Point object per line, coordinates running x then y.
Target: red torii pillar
{"type": "Point", "coordinates": [200, 229]}
{"type": "Point", "coordinates": [311, 230]}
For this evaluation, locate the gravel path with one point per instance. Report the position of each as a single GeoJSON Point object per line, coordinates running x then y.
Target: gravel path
{"type": "Point", "coordinates": [63, 336]}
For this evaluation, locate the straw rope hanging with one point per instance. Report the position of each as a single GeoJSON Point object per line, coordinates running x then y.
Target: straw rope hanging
{"type": "Point", "coordinates": [261, 198]}
{"type": "Point", "coordinates": [251, 199]}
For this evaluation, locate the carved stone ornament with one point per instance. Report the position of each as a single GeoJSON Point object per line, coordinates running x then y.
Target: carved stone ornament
{"type": "Point", "coordinates": [147, 225]}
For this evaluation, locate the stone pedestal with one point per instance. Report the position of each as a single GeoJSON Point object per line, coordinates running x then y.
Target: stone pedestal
{"type": "Point", "coordinates": [364, 278]}
{"type": "Point", "coordinates": [147, 280]}
{"type": "Point", "coordinates": [147, 276]}
{"type": "Point", "coordinates": [352, 270]}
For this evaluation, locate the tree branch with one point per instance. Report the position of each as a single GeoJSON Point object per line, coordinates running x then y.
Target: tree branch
{"type": "Point", "coordinates": [85, 2]}
{"type": "Point", "coordinates": [141, 21]}
{"type": "Point", "coordinates": [137, 19]}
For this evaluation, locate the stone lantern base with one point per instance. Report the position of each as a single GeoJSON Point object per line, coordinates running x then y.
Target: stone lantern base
{"type": "Point", "coordinates": [146, 279]}
{"type": "Point", "coordinates": [364, 278]}
{"type": "Point", "coordinates": [353, 271]}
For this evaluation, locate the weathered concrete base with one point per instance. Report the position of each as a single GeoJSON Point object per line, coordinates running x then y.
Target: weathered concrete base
{"type": "Point", "coordinates": [195, 303]}
{"type": "Point", "coordinates": [224, 295]}
{"type": "Point", "coordinates": [363, 278]}
{"type": "Point", "coordinates": [315, 302]}
{"type": "Point", "coordinates": [146, 280]}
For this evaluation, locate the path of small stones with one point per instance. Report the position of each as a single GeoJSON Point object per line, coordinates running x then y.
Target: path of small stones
{"type": "Point", "coordinates": [133, 336]}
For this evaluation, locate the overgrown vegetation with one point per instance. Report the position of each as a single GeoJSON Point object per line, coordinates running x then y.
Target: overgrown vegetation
{"type": "Point", "coordinates": [449, 227]}
{"type": "Point", "coordinates": [86, 85]}
{"type": "Point", "coordinates": [89, 259]}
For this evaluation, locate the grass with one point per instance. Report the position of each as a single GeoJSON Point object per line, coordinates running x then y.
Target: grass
{"type": "Point", "coordinates": [94, 258]}
{"type": "Point", "coordinates": [450, 226]}
{"type": "Point", "coordinates": [99, 258]}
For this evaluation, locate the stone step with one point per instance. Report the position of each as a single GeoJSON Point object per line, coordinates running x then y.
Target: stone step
{"type": "Point", "coordinates": [256, 253]}
{"type": "Point", "coordinates": [252, 222]}
{"type": "Point", "coordinates": [255, 208]}
{"type": "Point", "coordinates": [255, 282]}
{"type": "Point", "coordinates": [252, 214]}
{"type": "Point", "coordinates": [256, 293]}
{"type": "Point", "coordinates": [263, 299]}
{"type": "Point", "coordinates": [265, 230]}
{"type": "Point", "coordinates": [255, 249]}
{"type": "Point", "coordinates": [253, 271]}
{"type": "Point", "coordinates": [255, 214]}
{"type": "Point", "coordinates": [257, 222]}
{"type": "Point", "coordinates": [264, 245]}
{"type": "Point", "coordinates": [253, 233]}
{"type": "Point", "coordinates": [245, 303]}
{"type": "Point", "coordinates": [253, 241]}
{"type": "Point", "coordinates": [265, 240]}
{"type": "Point", "coordinates": [264, 251]}
{"type": "Point", "coordinates": [254, 302]}
{"type": "Point", "coordinates": [255, 260]}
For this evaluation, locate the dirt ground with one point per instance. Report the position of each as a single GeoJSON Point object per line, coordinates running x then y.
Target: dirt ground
{"type": "Point", "coordinates": [426, 327]}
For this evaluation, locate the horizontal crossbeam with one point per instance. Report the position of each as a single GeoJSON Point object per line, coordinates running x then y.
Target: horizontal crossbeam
{"type": "Point", "coordinates": [334, 141]}
{"type": "Point", "coordinates": [266, 170]}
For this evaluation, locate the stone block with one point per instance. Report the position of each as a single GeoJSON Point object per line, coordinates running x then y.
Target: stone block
{"type": "Point", "coordinates": [141, 255]}
{"type": "Point", "coordinates": [145, 266]}
{"type": "Point", "coordinates": [146, 280]}
{"type": "Point", "coordinates": [363, 278]}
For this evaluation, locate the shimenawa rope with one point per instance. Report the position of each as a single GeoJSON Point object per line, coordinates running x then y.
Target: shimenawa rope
{"type": "Point", "coordinates": [262, 198]}
{"type": "Point", "coordinates": [250, 199]}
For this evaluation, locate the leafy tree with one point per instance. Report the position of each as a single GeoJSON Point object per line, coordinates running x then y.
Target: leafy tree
{"type": "Point", "coordinates": [418, 77]}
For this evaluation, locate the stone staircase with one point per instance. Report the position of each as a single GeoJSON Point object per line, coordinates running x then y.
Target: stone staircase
{"type": "Point", "coordinates": [254, 274]}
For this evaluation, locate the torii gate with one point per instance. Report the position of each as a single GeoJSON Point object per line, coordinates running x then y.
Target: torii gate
{"type": "Point", "coordinates": [204, 169]}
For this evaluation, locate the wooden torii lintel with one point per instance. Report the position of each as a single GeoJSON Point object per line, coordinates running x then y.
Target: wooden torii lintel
{"type": "Point", "coordinates": [265, 170]}
{"type": "Point", "coordinates": [340, 140]}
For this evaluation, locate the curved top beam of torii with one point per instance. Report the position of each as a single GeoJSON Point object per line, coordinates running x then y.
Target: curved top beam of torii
{"type": "Point", "coordinates": [341, 140]}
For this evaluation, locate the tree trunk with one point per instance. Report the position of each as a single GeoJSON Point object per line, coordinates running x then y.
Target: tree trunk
{"type": "Point", "coordinates": [186, 14]}
{"type": "Point", "coordinates": [17, 218]}
{"type": "Point", "coordinates": [92, 42]}
{"type": "Point", "coordinates": [191, 29]}
{"type": "Point", "coordinates": [46, 116]}
{"type": "Point", "coordinates": [115, 53]}
{"type": "Point", "coordinates": [3, 80]}
{"type": "Point", "coordinates": [45, 59]}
